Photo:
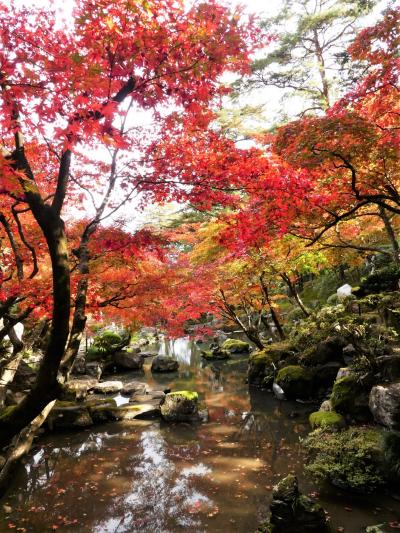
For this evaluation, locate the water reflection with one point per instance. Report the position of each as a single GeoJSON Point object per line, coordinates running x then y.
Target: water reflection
{"type": "Point", "coordinates": [183, 350]}
{"type": "Point", "coordinates": [157, 478]}
{"type": "Point", "coordinates": [161, 497]}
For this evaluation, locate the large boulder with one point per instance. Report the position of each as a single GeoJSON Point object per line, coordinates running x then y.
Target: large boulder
{"type": "Point", "coordinates": [101, 409]}
{"type": "Point", "coordinates": [128, 360]}
{"type": "Point", "coordinates": [181, 406]}
{"type": "Point", "coordinates": [331, 349]}
{"type": "Point", "coordinates": [324, 377]}
{"type": "Point", "coordinates": [235, 346]}
{"type": "Point", "coordinates": [261, 369]}
{"type": "Point", "coordinates": [264, 363]}
{"type": "Point", "coordinates": [349, 397]}
{"type": "Point", "coordinates": [296, 382]}
{"type": "Point", "coordinates": [291, 512]}
{"type": "Point", "coordinates": [384, 402]}
{"type": "Point", "coordinates": [162, 363]}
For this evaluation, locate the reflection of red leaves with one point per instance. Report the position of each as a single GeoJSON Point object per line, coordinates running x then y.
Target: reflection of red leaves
{"type": "Point", "coordinates": [394, 525]}
{"type": "Point", "coordinates": [10, 525]}
{"type": "Point", "coordinates": [195, 508]}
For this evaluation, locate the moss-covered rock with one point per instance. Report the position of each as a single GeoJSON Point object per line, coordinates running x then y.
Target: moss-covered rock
{"type": "Point", "coordinates": [350, 397]}
{"type": "Point", "coordinates": [235, 346]}
{"type": "Point", "coordinates": [327, 420]}
{"type": "Point", "coordinates": [351, 459]}
{"type": "Point", "coordinates": [69, 415]}
{"type": "Point", "coordinates": [260, 371]}
{"type": "Point", "coordinates": [263, 363]}
{"type": "Point", "coordinates": [292, 512]}
{"type": "Point", "coordinates": [180, 406]}
{"type": "Point", "coordinates": [296, 381]}
{"type": "Point", "coordinates": [101, 409]}
{"type": "Point", "coordinates": [215, 355]}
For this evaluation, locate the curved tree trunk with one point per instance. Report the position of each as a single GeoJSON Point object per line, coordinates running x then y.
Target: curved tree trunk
{"type": "Point", "coordinates": [46, 387]}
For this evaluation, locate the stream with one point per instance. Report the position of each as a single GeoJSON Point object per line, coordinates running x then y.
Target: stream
{"type": "Point", "coordinates": [151, 477]}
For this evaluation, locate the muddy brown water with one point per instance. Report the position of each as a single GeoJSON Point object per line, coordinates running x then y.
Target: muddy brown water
{"type": "Point", "coordinates": [151, 477]}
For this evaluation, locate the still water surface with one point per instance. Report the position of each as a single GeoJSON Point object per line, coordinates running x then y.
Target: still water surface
{"type": "Point", "coordinates": [151, 477]}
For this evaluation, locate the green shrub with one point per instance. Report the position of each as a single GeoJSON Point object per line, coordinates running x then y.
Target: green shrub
{"type": "Point", "coordinates": [368, 337]}
{"type": "Point", "coordinates": [351, 459]}
{"type": "Point", "coordinates": [385, 279]}
{"type": "Point", "coordinates": [106, 343]}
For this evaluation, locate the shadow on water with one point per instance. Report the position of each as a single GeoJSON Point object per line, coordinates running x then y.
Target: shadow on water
{"type": "Point", "coordinates": [152, 477]}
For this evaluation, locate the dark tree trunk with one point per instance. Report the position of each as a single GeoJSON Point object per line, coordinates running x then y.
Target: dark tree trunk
{"type": "Point", "coordinates": [391, 234]}
{"type": "Point", "coordinates": [274, 315]}
{"type": "Point", "coordinates": [46, 387]}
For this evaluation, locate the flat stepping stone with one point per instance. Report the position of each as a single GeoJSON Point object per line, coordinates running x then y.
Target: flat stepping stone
{"type": "Point", "coordinates": [133, 387]}
{"type": "Point", "coordinates": [108, 387]}
{"type": "Point", "coordinates": [145, 398]}
{"type": "Point", "coordinates": [137, 411]}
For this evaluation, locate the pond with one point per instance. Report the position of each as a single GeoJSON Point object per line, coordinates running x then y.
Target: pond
{"type": "Point", "coordinates": [150, 477]}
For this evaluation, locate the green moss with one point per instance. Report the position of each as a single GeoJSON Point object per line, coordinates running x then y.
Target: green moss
{"type": "Point", "coordinates": [260, 357]}
{"type": "Point", "coordinates": [235, 346]}
{"type": "Point", "coordinates": [188, 395]}
{"type": "Point", "coordinates": [344, 393]}
{"type": "Point", "coordinates": [292, 372]}
{"type": "Point", "coordinates": [327, 420]}
{"type": "Point", "coordinates": [351, 459]}
{"type": "Point", "coordinates": [209, 355]}
{"type": "Point", "coordinates": [296, 381]}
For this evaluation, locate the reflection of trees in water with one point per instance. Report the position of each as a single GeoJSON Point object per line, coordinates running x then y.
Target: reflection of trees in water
{"type": "Point", "coordinates": [44, 464]}
{"type": "Point", "coordinates": [272, 428]}
{"type": "Point", "coordinates": [183, 350]}
{"type": "Point", "coordinates": [162, 498]}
